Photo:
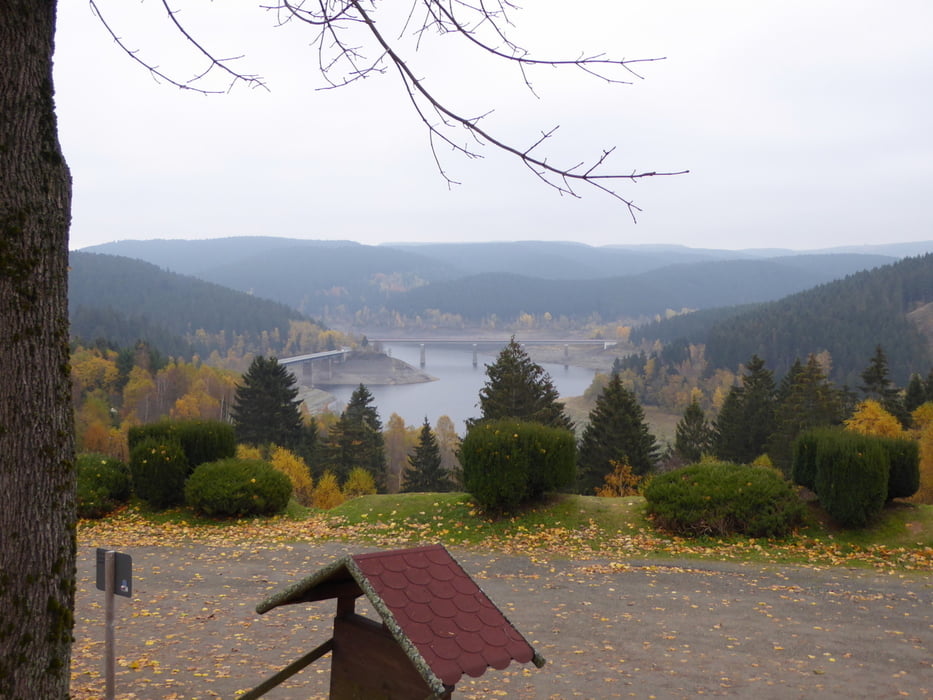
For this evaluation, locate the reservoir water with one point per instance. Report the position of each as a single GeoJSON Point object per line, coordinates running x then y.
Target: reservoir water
{"type": "Point", "coordinates": [456, 391]}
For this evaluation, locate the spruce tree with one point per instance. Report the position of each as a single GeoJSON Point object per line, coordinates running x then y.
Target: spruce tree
{"type": "Point", "coordinates": [916, 394]}
{"type": "Point", "coordinates": [617, 432]}
{"type": "Point", "coordinates": [746, 420]}
{"type": "Point", "coordinates": [807, 399]}
{"type": "Point", "coordinates": [729, 427]}
{"type": "Point", "coordinates": [516, 387]}
{"type": "Point", "coordinates": [426, 473]}
{"type": "Point", "coordinates": [693, 434]}
{"type": "Point", "coordinates": [356, 440]}
{"type": "Point", "coordinates": [878, 385]}
{"type": "Point", "coordinates": [265, 408]}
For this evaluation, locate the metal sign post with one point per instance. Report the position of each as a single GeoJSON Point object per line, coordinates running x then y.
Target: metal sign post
{"type": "Point", "coordinates": [114, 577]}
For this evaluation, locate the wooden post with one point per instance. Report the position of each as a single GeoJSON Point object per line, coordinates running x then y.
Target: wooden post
{"type": "Point", "coordinates": [109, 650]}
{"type": "Point", "coordinates": [289, 671]}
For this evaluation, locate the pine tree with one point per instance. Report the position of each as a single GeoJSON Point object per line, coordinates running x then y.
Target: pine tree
{"type": "Point", "coordinates": [729, 427]}
{"type": "Point", "coordinates": [356, 440]}
{"type": "Point", "coordinates": [878, 386]}
{"type": "Point", "coordinates": [806, 399]}
{"type": "Point", "coordinates": [617, 432]}
{"type": "Point", "coordinates": [266, 407]}
{"type": "Point", "coordinates": [519, 388]}
{"type": "Point", "coordinates": [916, 394]}
{"type": "Point", "coordinates": [693, 434]}
{"type": "Point", "coordinates": [746, 420]}
{"type": "Point", "coordinates": [426, 472]}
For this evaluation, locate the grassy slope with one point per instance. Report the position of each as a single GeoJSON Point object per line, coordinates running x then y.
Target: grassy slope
{"type": "Point", "coordinates": [589, 526]}
{"type": "Point", "coordinates": [567, 526]}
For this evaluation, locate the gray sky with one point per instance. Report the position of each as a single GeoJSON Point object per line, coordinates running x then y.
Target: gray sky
{"type": "Point", "coordinates": [805, 124]}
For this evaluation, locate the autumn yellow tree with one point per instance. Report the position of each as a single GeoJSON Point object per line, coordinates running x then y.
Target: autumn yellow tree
{"type": "Point", "coordinates": [400, 440]}
{"type": "Point", "coordinates": [621, 481]}
{"type": "Point", "coordinates": [327, 493]}
{"type": "Point", "coordinates": [871, 419]}
{"type": "Point", "coordinates": [295, 468]}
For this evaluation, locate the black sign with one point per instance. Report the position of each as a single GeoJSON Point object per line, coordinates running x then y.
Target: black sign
{"type": "Point", "coordinates": [122, 573]}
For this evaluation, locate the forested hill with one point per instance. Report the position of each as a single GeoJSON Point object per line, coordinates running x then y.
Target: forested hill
{"type": "Point", "coordinates": [848, 318]}
{"type": "Point", "coordinates": [123, 300]}
{"type": "Point", "coordinates": [345, 283]}
{"type": "Point", "coordinates": [699, 285]}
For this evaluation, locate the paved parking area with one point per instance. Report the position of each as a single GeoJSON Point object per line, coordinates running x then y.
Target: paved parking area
{"type": "Point", "coordinates": [642, 629]}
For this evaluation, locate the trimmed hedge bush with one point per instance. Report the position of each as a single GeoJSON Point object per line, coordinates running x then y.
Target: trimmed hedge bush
{"type": "Point", "coordinates": [856, 468]}
{"type": "Point", "coordinates": [508, 462]}
{"type": "Point", "coordinates": [103, 484]}
{"type": "Point", "coordinates": [851, 477]}
{"type": "Point", "coordinates": [904, 461]}
{"type": "Point", "coordinates": [201, 440]}
{"type": "Point", "coordinates": [159, 470]}
{"type": "Point", "coordinates": [237, 488]}
{"type": "Point", "coordinates": [803, 467]}
{"type": "Point", "coordinates": [721, 498]}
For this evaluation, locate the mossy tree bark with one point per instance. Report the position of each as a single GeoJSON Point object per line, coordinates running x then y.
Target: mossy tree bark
{"type": "Point", "coordinates": [37, 515]}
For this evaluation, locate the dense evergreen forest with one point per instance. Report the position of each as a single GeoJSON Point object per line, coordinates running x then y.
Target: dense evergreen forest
{"type": "Point", "coordinates": [122, 301]}
{"type": "Point", "coordinates": [700, 285]}
{"type": "Point", "coordinates": [846, 319]}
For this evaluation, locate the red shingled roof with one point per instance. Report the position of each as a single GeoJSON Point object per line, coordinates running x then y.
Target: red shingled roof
{"type": "Point", "coordinates": [437, 613]}
{"type": "Point", "coordinates": [451, 622]}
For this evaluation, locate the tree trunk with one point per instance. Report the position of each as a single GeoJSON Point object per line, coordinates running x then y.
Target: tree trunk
{"type": "Point", "coordinates": [37, 513]}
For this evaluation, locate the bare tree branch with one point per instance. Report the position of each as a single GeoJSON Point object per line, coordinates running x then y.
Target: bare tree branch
{"type": "Point", "coordinates": [218, 63]}
{"type": "Point", "coordinates": [482, 23]}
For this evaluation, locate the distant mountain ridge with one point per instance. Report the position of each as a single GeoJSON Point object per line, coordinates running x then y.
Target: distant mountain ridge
{"type": "Point", "coordinates": [340, 281]}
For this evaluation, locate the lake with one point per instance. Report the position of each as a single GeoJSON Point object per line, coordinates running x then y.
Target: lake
{"type": "Point", "coordinates": [456, 391]}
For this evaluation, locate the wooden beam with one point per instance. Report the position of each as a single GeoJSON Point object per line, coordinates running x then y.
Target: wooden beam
{"type": "Point", "coordinates": [327, 591]}
{"type": "Point", "coordinates": [289, 671]}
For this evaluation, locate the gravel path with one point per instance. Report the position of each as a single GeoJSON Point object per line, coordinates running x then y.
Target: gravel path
{"type": "Point", "coordinates": [638, 628]}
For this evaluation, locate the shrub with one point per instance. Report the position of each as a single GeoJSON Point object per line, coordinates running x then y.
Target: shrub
{"type": "Point", "coordinates": [248, 452]}
{"type": "Point", "coordinates": [851, 477]}
{"type": "Point", "coordinates": [201, 440]}
{"type": "Point", "coordinates": [904, 461]}
{"type": "Point", "coordinates": [159, 470]}
{"type": "Point", "coordinates": [359, 482]}
{"type": "Point", "coordinates": [621, 481]}
{"type": "Point", "coordinates": [295, 468]}
{"type": "Point", "coordinates": [237, 487]}
{"type": "Point", "coordinates": [803, 467]}
{"type": "Point", "coordinates": [103, 484]}
{"type": "Point", "coordinates": [327, 493]}
{"type": "Point", "coordinates": [721, 498]}
{"type": "Point", "coordinates": [508, 462]}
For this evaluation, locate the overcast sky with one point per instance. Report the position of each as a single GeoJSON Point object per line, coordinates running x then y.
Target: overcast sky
{"type": "Point", "coordinates": [804, 124]}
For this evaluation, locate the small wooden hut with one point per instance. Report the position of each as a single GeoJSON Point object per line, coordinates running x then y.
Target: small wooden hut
{"type": "Point", "coordinates": [437, 625]}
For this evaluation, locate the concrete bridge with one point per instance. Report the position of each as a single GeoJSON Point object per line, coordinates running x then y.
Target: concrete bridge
{"type": "Point", "coordinates": [496, 342]}
{"type": "Point", "coordinates": [305, 361]}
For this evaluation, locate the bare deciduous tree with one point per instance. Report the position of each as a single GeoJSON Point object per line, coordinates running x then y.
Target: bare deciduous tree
{"type": "Point", "coordinates": [37, 475]}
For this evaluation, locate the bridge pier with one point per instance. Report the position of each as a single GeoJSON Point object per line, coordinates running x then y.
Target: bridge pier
{"type": "Point", "coordinates": [422, 355]}
{"type": "Point", "coordinates": [474, 356]}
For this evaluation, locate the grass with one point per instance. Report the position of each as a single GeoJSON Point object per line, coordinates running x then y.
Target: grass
{"type": "Point", "coordinates": [565, 526]}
